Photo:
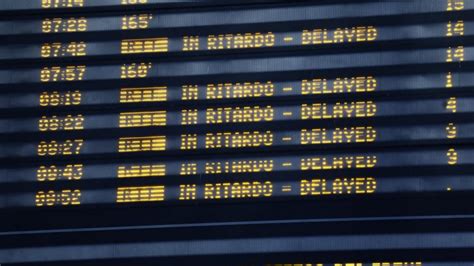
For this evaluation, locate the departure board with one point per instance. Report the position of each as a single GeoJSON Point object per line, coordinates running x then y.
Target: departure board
{"type": "Point", "coordinates": [268, 132]}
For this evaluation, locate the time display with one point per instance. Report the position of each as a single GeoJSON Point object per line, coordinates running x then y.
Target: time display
{"type": "Point", "coordinates": [58, 49]}
{"type": "Point", "coordinates": [56, 98]}
{"type": "Point", "coordinates": [55, 123]}
{"type": "Point", "coordinates": [69, 73]}
{"type": "Point", "coordinates": [61, 3]}
{"type": "Point", "coordinates": [55, 148]}
{"type": "Point", "coordinates": [55, 198]}
{"type": "Point", "coordinates": [58, 25]}
{"type": "Point", "coordinates": [55, 173]}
